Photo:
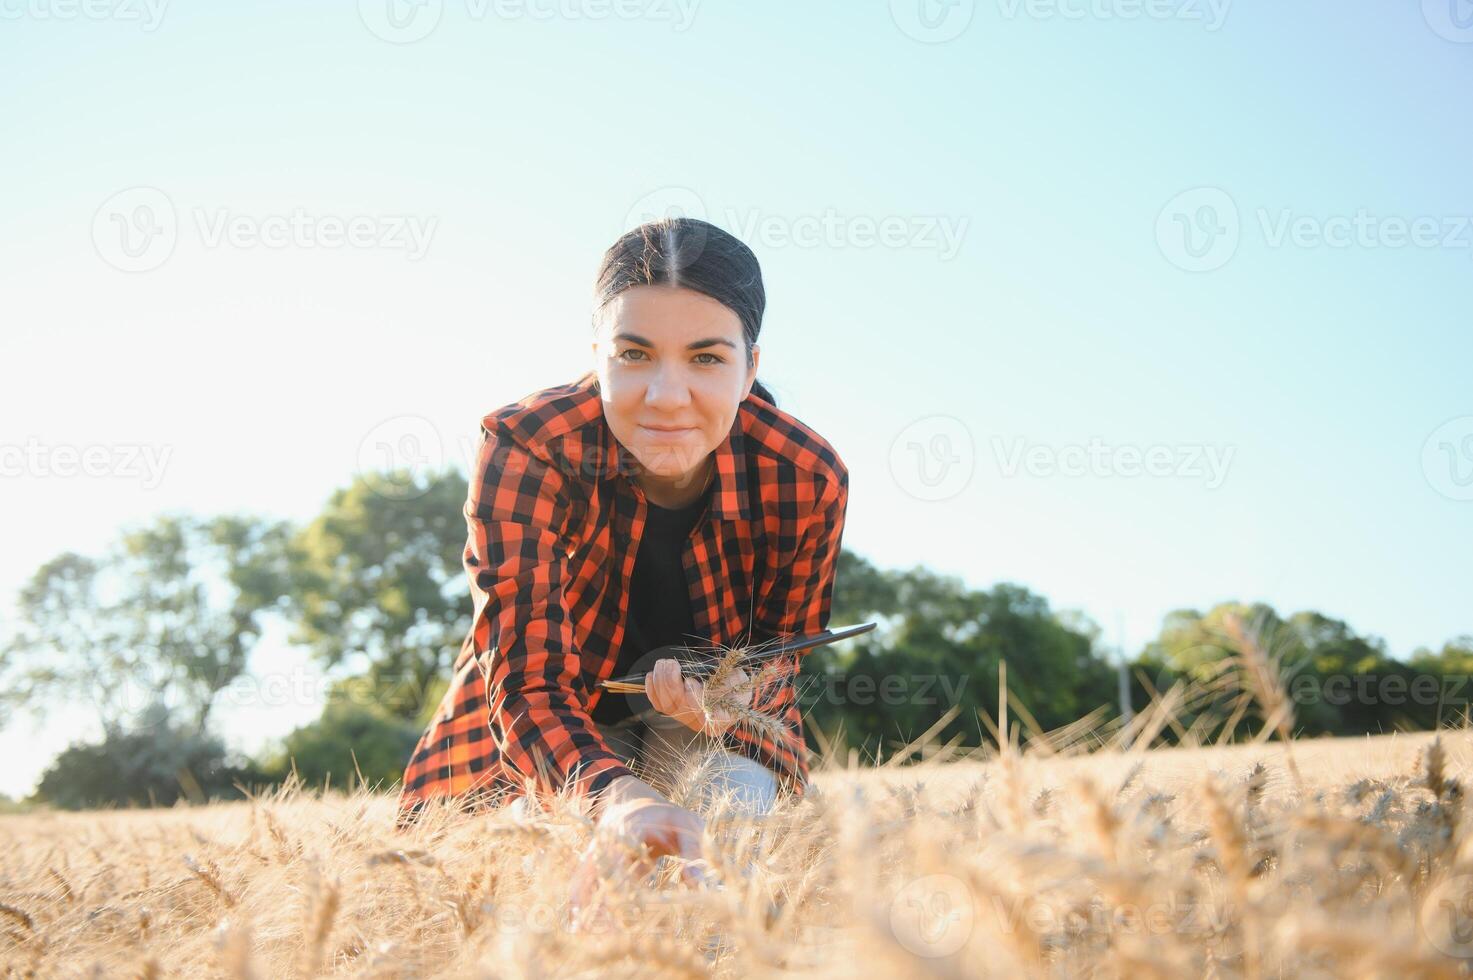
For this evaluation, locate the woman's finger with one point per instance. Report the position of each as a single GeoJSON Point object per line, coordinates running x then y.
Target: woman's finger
{"type": "Point", "coordinates": [669, 680]}
{"type": "Point", "coordinates": [585, 878]}
{"type": "Point", "coordinates": [653, 692]}
{"type": "Point", "coordinates": [690, 854]}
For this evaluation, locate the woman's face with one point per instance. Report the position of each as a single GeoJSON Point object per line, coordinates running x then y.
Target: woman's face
{"type": "Point", "coordinates": [670, 358]}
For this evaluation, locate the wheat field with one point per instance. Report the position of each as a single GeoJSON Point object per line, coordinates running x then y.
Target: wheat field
{"type": "Point", "coordinates": [1335, 857]}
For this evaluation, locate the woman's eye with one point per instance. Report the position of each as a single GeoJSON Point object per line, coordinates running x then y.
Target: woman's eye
{"type": "Point", "coordinates": [633, 350]}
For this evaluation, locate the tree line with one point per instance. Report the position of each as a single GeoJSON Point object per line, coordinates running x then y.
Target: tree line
{"type": "Point", "coordinates": [155, 633]}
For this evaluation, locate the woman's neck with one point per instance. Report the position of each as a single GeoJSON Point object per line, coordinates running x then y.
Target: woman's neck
{"type": "Point", "coordinates": [669, 494]}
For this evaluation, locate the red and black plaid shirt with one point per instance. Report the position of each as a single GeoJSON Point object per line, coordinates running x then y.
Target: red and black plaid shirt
{"type": "Point", "coordinates": [554, 527]}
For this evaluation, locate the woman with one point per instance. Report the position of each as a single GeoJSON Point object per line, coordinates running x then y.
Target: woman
{"type": "Point", "coordinates": [660, 500]}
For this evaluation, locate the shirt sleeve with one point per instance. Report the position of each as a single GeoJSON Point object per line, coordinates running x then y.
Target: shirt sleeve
{"type": "Point", "coordinates": [801, 596]}
{"type": "Point", "coordinates": [515, 558]}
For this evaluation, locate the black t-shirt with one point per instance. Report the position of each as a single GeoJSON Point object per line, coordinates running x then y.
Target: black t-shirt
{"type": "Point", "coordinates": [659, 611]}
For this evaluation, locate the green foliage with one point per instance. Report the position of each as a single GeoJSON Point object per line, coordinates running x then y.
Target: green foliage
{"type": "Point", "coordinates": [378, 579]}
{"type": "Point", "coordinates": [352, 737]}
{"type": "Point", "coordinates": [1339, 682]}
{"type": "Point", "coordinates": [1455, 657]}
{"type": "Point", "coordinates": [169, 613]}
{"type": "Point", "coordinates": [940, 646]}
{"type": "Point", "coordinates": [153, 764]}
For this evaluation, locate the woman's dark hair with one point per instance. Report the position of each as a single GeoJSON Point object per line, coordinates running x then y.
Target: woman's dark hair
{"type": "Point", "coordinates": [689, 252]}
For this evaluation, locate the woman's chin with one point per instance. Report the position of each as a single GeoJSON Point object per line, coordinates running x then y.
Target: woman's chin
{"type": "Point", "coordinates": [668, 469]}
{"type": "Point", "coordinates": [667, 465]}
{"type": "Point", "coordinates": [664, 474]}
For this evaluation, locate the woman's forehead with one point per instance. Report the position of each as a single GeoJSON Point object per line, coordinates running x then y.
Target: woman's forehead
{"type": "Point", "coordinates": [666, 314]}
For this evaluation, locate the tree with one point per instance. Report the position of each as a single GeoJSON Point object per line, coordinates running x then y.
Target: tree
{"type": "Point", "coordinates": [353, 737]}
{"type": "Point", "coordinates": [167, 616]}
{"type": "Point", "coordinates": [379, 585]}
{"type": "Point", "coordinates": [1455, 657]}
{"type": "Point", "coordinates": [941, 646]}
{"type": "Point", "coordinates": [155, 764]}
{"type": "Point", "coordinates": [1451, 667]}
{"type": "Point", "coordinates": [1339, 683]}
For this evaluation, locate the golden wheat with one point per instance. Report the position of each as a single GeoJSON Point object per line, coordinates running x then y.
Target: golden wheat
{"type": "Point", "coordinates": [1079, 852]}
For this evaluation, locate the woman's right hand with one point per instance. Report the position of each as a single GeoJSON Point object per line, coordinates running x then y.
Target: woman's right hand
{"type": "Point", "coordinates": [636, 827]}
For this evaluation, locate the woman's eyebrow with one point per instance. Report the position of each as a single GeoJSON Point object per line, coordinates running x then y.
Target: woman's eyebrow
{"type": "Point", "coordinates": [695, 345]}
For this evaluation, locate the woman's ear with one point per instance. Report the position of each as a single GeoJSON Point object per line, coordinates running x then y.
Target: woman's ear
{"type": "Point", "coordinates": [752, 371]}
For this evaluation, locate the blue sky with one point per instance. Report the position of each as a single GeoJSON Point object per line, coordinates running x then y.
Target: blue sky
{"type": "Point", "coordinates": [1013, 251]}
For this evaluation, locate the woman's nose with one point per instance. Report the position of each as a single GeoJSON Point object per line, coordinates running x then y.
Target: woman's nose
{"type": "Point", "coordinates": [667, 389]}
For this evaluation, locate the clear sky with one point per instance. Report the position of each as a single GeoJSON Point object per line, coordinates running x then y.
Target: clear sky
{"type": "Point", "coordinates": [1143, 304]}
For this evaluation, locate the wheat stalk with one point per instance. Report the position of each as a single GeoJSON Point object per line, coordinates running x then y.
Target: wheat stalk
{"type": "Point", "coordinates": [19, 915]}
{"type": "Point", "coordinates": [1363, 855]}
{"type": "Point", "coordinates": [710, 663]}
{"type": "Point", "coordinates": [1261, 674]}
{"type": "Point", "coordinates": [209, 874]}
{"type": "Point", "coordinates": [319, 924]}
{"type": "Point", "coordinates": [67, 894]}
{"type": "Point", "coordinates": [234, 944]}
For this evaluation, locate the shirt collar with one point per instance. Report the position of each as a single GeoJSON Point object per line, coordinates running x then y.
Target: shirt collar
{"type": "Point", "coordinates": [729, 485]}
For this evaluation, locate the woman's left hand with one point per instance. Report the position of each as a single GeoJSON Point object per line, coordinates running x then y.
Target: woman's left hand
{"type": "Point", "coordinates": [683, 698]}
